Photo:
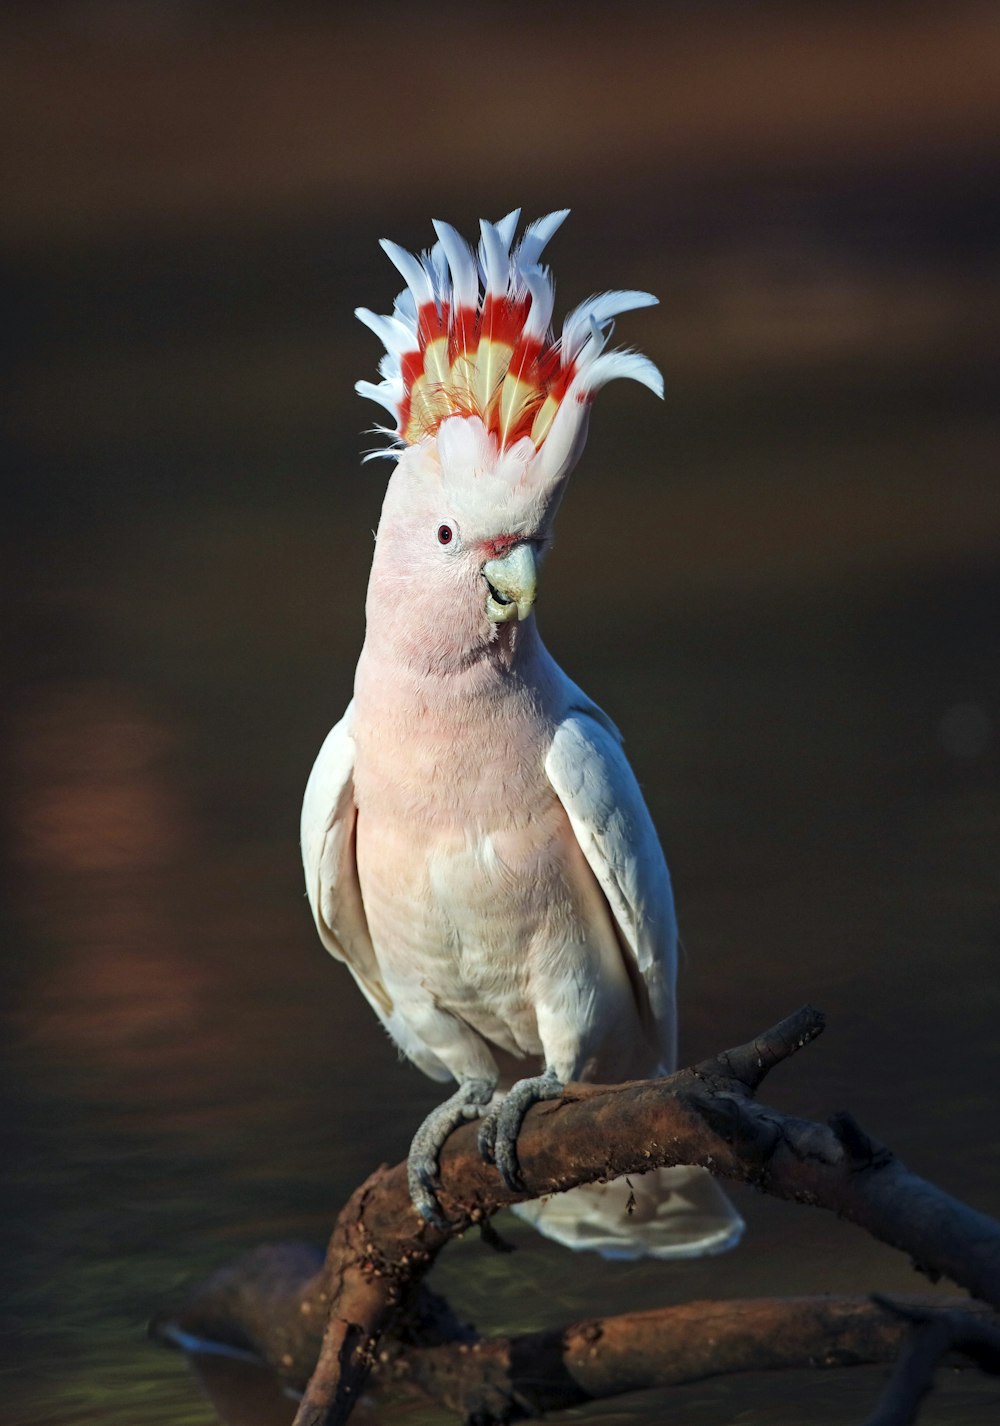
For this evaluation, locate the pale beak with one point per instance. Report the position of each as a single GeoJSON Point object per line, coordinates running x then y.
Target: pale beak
{"type": "Point", "coordinates": [512, 583]}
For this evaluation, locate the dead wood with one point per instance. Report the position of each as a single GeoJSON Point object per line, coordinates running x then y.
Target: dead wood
{"type": "Point", "coordinates": [508, 1378]}
{"type": "Point", "coordinates": [502, 1379]}
{"type": "Point", "coordinates": [935, 1333]}
{"type": "Point", "coordinates": [380, 1249]}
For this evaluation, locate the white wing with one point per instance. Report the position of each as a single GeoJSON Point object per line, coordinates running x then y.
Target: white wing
{"type": "Point", "coordinates": [329, 817]}
{"type": "Point", "coordinates": [591, 776]}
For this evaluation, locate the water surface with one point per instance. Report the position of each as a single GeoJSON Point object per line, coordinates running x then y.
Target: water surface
{"type": "Point", "coordinates": [800, 644]}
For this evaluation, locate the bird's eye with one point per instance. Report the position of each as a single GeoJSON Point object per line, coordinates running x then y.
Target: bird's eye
{"type": "Point", "coordinates": [445, 534]}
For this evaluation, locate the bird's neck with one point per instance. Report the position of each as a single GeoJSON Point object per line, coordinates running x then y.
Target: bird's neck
{"type": "Point", "coordinates": [438, 753]}
{"type": "Point", "coordinates": [411, 665]}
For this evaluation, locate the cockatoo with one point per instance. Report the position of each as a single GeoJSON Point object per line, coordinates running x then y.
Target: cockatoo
{"type": "Point", "coordinates": [476, 847]}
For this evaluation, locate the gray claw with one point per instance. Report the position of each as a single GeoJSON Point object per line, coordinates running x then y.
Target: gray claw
{"type": "Point", "coordinates": [422, 1163]}
{"type": "Point", "coordinates": [502, 1126]}
{"type": "Point", "coordinates": [419, 1177]}
{"type": "Point", "coordinates": [427, 1206]}
{"type": "Point", "coordinates": [505, 1158]}
{"type": "Point", "coordinates": [488, 1136]}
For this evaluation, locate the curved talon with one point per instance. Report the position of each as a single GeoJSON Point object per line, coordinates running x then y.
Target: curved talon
{"type": "Point", "coordinates": [468, 1101]}
{"type": "Point", "coordinates": [425, 1201]}
{"type": "Point", "coordinates": [488, 1135]}
{"type": "Point", "coordinates": [502, 1126]}
{"type": "Point", "coordinates": [507, 1162]}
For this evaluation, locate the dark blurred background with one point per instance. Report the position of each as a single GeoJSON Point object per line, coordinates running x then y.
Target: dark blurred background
{"type": "Point", "coordinates": [801, 646]}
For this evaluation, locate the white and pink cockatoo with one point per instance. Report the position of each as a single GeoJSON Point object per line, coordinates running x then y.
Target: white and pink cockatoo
{"type": "Point", "coordinates": [476, 847]}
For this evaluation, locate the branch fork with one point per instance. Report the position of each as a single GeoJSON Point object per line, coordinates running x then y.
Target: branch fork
{"type": "Point", "coordinates": [708, 1115]}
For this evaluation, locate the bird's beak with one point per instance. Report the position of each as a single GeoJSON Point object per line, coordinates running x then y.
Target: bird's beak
{"type": "Point", "coordinates": [512, 583]}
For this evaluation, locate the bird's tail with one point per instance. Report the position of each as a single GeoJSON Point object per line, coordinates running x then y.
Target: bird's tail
{"type": "Point", "coordinates": [666, 1213]}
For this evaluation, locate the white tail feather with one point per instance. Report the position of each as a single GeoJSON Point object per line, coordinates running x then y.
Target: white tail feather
{"type": "Point", "coordinates": [667, 1213]}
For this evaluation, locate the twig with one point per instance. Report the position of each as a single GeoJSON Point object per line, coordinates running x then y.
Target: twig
{"type": "Point", "coordinates": [933, 1334]}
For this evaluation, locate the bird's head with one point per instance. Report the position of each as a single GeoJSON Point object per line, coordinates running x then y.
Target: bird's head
{"type": "Point", "coordinates": [491, 415]}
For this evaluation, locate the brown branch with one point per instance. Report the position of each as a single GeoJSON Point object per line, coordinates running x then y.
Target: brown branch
{"type": "Point", "coordinates": [706, 1115]}
{"type": "Point", "coordinates": [508, 1378]}
{"type": "Point", "coordinates": [500, 1379]}
{"type": "Point", "coordinates": [380, 1246]}
{"type": "Point", "coordinates": [933, 1335]}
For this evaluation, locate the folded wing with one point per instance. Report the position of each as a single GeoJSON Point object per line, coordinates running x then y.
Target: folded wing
{"type": "Point", "coordinates": [329, 819]}
{"type": "Point", "coordinates": [592, 778]}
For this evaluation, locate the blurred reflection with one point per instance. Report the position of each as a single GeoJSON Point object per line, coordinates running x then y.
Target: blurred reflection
{"type": "Point", "coordinates": [97, 828]}
{"type": "Point", "coordinates": [89, 798]}
{"type": "Point", "coordinates": [242, 1394]}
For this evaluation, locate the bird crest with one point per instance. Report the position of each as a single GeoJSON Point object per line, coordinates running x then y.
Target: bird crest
{"type": "Point", "coordinates": [471, 335]}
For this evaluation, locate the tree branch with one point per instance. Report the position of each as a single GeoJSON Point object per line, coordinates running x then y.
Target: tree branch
{"type": "Point", "coordinates": [933, 1335]}
{"type": "Point", "coordinates": [505, 1379]}
{"type": "Point", "coordinates": [502, 1379]}
{"type": "Point", "coordinates": [380, 1246]}
{"type": "Point", "coordinates": [381, 1249]}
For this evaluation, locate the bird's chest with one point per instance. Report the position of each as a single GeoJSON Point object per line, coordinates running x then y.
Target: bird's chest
{"type": "Point", "coordinates": [449, 768]}
{"type": "Point", "coordinates": [460, 841]}
{"type": "Point", "coordinates": [459, 917]}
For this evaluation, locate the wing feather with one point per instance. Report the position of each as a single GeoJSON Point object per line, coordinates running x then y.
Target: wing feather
{"type": "Point", "coordinates": [592, 778]}
{"type": "Point", "coordinates": [329, 817]}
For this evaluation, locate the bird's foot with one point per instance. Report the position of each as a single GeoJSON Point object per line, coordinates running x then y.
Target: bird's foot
{"type": "Point", "coordinates": [501, 1126]}
{"type": "Point", "coordinates": [469, 1101]}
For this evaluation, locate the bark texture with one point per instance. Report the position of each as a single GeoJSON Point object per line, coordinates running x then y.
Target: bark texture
{"type": "Point", "coordinates": [381, 1250]}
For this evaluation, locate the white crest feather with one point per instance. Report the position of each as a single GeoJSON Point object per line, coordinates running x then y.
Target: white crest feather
{"type": "Point", "coordinates": [470, 335]}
